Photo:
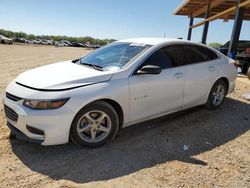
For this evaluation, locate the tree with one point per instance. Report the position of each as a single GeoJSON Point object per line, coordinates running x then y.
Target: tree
{"type": "Point", "coordinates": [215, 44]}
{"type": "Point", "coordinates": [86, 39]}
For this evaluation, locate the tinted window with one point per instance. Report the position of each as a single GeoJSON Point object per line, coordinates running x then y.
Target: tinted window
{"type": "Point", "coordinates": [159, 58]}
{"type": "Point", "coordinates": [196, 54]}
{"type": "Point", "coordinates": [175, 54]}
{"type": "Point", "coordinates": [243, 44]}
{"type": "Point", "coordinates": [207, 53]}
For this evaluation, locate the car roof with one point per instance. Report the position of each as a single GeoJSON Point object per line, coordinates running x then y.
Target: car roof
{"type": "Point", "coordinates": [165, 41]}
{"type": "Point", "coordinates": [151, 41]}
{"type": "Point", "coordinates": [158, 41]}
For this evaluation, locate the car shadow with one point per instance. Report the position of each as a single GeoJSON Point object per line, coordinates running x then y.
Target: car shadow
{"type": "Point", "coordinates": [176, 137]}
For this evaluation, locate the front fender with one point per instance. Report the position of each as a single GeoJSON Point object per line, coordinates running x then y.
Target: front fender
{"type": "Point", "coordinates": [116, 90]}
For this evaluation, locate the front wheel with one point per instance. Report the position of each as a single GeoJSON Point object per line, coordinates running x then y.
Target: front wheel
{"type": "Point", "coordinates": [95, 125]}
{"type": "Point", "coordinates": [216, 95]}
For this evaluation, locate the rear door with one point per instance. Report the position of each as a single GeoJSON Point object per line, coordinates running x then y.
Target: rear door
{"type": "Point", "coordinates": [200, 74]}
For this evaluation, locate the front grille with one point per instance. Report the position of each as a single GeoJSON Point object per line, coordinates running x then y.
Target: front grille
{"type": "Point", "coordinates": [10, 114]}
{"type": "Point", "coordinates": [12, 97]}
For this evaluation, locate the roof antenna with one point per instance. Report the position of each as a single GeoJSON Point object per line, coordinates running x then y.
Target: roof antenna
{"type": "Point", "coordinates": [180, 38]}
{"type": "Point", "coordinates": [164, 35]}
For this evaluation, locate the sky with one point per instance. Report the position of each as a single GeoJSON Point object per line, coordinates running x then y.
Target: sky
{"type": "Point", "coordinates": [118, 19]}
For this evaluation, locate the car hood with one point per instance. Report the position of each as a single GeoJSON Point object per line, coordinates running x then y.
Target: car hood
{"type": "Point", "coordinates": [64, 75]}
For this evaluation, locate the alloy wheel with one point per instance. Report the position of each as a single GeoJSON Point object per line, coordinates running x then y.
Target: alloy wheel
{"type": "Point", "coordinates": [218, 95]}
{"type": "Point", "coordinates": [94, 126]}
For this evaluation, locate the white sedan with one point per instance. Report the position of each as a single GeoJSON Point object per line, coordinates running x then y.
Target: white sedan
{"type": "Point", "coordinates": [89, 99]}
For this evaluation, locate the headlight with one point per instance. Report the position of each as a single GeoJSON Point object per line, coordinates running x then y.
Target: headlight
{"type": "Point", "coordinates": [44, 104]}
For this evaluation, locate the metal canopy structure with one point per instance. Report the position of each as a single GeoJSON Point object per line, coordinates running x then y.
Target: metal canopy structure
{"type": "Point", "coordinates": [211, 10]}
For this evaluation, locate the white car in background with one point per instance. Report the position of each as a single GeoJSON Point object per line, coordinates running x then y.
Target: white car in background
{"type": "Point", "coordinates": [5, 40]}
{"type": "Point", "coordinates": [130, 81]}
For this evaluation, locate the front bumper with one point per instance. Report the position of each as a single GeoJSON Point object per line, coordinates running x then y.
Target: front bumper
{"type": "Point", "coordinates": [21, 136]}
{"type": "Point", "coordinates": [55, 124]}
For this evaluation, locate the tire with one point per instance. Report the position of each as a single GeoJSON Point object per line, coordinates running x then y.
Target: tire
{"type": "Point", "coordinates": [2, 42]}
{"type": "Point", "coordinates": [94, 125]}
{"type": "Point", "coordinates": [12, 135]}
{"type": "Point", "coordinates": [217, 95]}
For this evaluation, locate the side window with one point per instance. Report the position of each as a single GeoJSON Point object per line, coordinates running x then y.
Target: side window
{"type": "Point", "coordinates": [159, 58]}
{"type": "Point", "coordinates": [175, 54]}
{"type": "Point", "coordinates": [196, 54]}
{"type": "Point", "coordinates": [192, 55]}
{"type": "Point", "coordinates": [207, 54]}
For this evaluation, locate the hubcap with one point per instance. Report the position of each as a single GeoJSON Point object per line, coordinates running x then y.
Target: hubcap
{"type": "Point", "coordinates": [218, 95]}
{"type": "Point", "coordinates": [94, 126]}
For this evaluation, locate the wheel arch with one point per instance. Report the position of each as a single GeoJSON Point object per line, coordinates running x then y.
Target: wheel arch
{"type": "Point", "coordinates": [225, 80]}
{"type": "Point", "coordinates": [117, 108]}
{"type": "Point", "coordinates": [219, 78]}
{"type": "Point", "coordinates": [114, 104]}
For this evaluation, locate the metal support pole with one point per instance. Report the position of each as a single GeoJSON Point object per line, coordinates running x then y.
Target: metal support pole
{"type": "Point", "coordinates": [236, 32]}
{"type": "Point", "coordinates": [191, 21]}
{"type": "Point", "coordinates": [206, 25]}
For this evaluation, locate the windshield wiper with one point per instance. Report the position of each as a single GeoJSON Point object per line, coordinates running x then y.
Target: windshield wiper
{"type": "Point", "coordinates": [96, 67]}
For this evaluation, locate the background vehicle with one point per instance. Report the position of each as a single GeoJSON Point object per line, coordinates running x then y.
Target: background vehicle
{"type": "Point", "coordinates": [60, 44]}
{"type": "Point", "coordinates": [37, 41]}
{"type": "Point", "coordinates": [30, 41]}
{"type": "Point", "coordinates": [243, 60]}
{"type": "Point", "coordinates": [66, 42]}
{"type": "Point", "coordinates": [21, 40]}
{"type": "Point", "coordinates": [46, 42]}
{"type": "Point", "coordinates": [95, 46]}
{"type": "Point", "coordinates": [121, 84]}
{"type": "Point", "coordinates": [77, 44]}
{"type": "Point", "coordinates": [5, 40]}
{"type": "Point", "coordinates": [242, 45]}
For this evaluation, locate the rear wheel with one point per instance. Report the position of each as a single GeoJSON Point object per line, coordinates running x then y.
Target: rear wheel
{"type": "Point", "coordinates": [216, 95]}
{"type": "Point", "coordinates": [94, 125]}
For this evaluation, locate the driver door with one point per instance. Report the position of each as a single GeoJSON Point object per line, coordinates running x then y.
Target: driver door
{"type": "Point", "coordinates": [157, 94]}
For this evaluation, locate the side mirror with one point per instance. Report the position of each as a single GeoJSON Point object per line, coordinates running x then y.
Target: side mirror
{"type": "Point", "coordinates": [149, 69]}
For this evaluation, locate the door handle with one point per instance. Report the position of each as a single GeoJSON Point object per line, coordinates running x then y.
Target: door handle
{"type": "Point", "coordinates": [178, 75]}
{"type": "Point", "coordinates": [211, 68]}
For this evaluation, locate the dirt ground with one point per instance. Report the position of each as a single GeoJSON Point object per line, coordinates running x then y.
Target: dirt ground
{"type": "Point", "coordinates": [197, 148]}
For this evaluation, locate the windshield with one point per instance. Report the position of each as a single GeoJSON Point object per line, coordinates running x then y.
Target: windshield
{"type": "Point", "coordinates": [114, 56]}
